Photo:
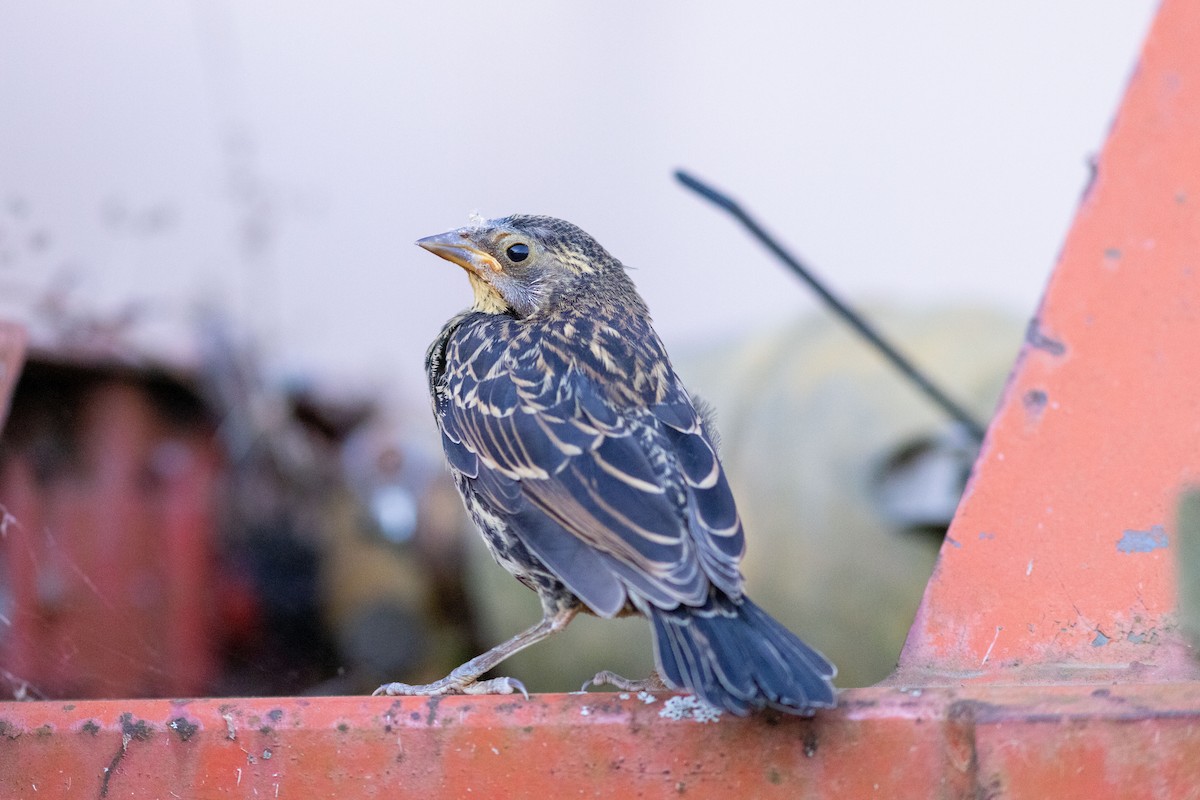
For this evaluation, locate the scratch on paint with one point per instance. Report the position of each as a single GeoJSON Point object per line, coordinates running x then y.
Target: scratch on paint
{"type": "Point", "coordinates": [1143, 541]}
{"type": "Point", "coordinates": [988, 654]}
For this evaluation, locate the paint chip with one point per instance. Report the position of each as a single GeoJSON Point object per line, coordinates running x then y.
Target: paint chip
{"type": "Point", "coordinates": [1036, 338]}
{"type": "Point", "coordinates": [689, 707]}
{"type": "Point", "coordinates": [1035, 401]}
{"type": "Point", "coordinates": [1143, 541]}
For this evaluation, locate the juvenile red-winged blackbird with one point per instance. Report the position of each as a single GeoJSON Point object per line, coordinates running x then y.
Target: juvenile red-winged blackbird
{"type": "Point", "coordinates": [590, 473]}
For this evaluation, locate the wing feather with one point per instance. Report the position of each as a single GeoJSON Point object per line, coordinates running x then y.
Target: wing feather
{"type": "Point", "coordinates": [612, 500]}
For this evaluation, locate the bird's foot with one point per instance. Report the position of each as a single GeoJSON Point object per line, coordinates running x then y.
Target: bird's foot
{"type": "Point", "coordinates": [653, 683]}
{"type": "Point", "coordinates": [449, 685]}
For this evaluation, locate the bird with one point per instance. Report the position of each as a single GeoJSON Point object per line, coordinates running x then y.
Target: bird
{"type": "Point", "coordinates": [593, 476]}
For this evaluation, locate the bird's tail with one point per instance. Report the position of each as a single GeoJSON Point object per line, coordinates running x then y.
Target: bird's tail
{"type": "Point", "coordinates": [733, 655]}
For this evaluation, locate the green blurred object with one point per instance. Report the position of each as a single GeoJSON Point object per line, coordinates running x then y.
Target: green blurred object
{"type": "Point", "coordinates": [1187, 550]}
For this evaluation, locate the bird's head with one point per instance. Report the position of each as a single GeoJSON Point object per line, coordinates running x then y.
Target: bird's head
{"type": "Point", "coordinates": [521, 264]}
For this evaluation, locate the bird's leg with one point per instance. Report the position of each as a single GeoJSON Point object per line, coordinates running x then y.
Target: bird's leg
{"type": "Point", "coordinates": [652, 683]}
{"type": "Point", "coordinates": [464, 679]}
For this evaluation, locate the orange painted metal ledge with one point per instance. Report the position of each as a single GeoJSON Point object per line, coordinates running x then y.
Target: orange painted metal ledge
{"type": "Point", "coordinates": [1011, 741]}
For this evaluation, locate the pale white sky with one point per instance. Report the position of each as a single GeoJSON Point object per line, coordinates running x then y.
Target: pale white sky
{"type": "Point", "coordinates": [280, 158]}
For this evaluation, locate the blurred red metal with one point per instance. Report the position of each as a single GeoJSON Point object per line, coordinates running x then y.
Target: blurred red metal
{"type": "Point", "coordinates": [190, 524]}
{"type": "Point", "coordinates": [12, 354]}
{"type": "Point", "coordinates": [108, 563]}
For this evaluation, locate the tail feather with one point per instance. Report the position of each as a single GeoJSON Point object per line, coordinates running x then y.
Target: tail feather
{"type": "Point", "coordinates": [733, 655]}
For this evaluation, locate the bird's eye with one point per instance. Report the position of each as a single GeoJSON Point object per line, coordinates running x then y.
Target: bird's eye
{"type": "Point", "coordinates": [518, 252]}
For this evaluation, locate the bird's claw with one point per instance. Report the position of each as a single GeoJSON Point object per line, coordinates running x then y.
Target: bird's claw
{"type": "Point", "coordinates": [446, 686]}
{"type": "Point", "coordinates": [653, 683]}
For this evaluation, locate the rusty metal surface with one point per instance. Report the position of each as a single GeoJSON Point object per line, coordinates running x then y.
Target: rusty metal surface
{"type": "Point", "coordinates": [12, 355]}
{"type": "Point", "coordinates": [1059, 564]}
{"type": "Point", "coordinates": [1062, 742]}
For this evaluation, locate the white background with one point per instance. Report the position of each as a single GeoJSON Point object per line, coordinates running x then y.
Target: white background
{"type": "Point", "coordinates": [278, 159]}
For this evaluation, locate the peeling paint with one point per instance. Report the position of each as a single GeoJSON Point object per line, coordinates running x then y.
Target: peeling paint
{"type": "Point", "coordinates": [1132, 541]}
{"type": "Point", "coordinates": [137, 729]}
{"type": "Point", "coordinates": [184, 728]}
{"type": "Point", "coordinates": [1112, 258]}
{"type": "Point", "coordinates": [131, 730]}
{"type": "Point", "coordinates": [1035, 402]}
{"type": "Point", "coordinates": [689, 706]}
{"type": "Point", "coordinates": [1041, 341]}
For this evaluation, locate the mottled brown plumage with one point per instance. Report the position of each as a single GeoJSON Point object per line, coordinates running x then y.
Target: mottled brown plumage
{"type": "Point", "coordinates": [589, 472]}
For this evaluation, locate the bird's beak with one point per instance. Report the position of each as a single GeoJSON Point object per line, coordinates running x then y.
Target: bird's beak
{"type": "Point", "coordinates": [458, 247]}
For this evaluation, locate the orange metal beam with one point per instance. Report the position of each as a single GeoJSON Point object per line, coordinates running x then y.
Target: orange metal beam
{"type": "Point", "coordinates": [990, 741]}
{"type": "Point", "coordinates": [1059, 563]}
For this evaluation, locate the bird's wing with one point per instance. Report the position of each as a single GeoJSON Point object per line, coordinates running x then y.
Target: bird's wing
{"type": "Point", "coordinates": [611, 502]}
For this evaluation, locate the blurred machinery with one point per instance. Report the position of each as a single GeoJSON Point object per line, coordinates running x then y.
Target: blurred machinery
{"type": "Point", "coordinates": [108, 479]}
{"type": "Point", "coordinates": [174, 532]}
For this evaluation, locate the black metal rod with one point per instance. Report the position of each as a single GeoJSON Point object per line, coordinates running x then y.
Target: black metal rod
{"type": "Point", "coordinates": [906, 367]}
